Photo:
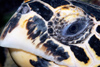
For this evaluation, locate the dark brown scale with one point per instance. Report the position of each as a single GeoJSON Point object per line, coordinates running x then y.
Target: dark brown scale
{"type": "Point", "coordinates": [57, 19]}
{"type": "Point", "coordinates": [65, 8]}
{"type": "Point", "coordinates": [98, 29]}
{"type": "Point", "coordinates": [58, 14]}
{"type": "Point", "coordinates": [35, 23]}
{"type": "Point", "coordinates": [79, 54]}
{"type": "Point", "coordinates": [37, 46]}
{"type": "Point", "coordinates": [5, 33]}
{"type": "Point", "coordinates": [41, 9]}
{"type": "Point", "coordinates": [94, 43]}
{"type": "Point", "coordinates": [56, 3]}
{"type": "Point", "coordinates": [43, 37]}
{"type": "Point", "coordinates": [50, 30]}
{"type": "Point", "coordinates": [56, 51]}
{"type": "Point", "coordinates": [33, 36]}
{"type": "Point", "coordinates": [56, 22]}
{"type": "Point", "coordinates": [72, 6]}
{"type": "Point", "coordinates": [40, 62]}
{"type": "Point", "coordinates": [50, 23]}
{"type": "Point", "coordinates": [13, 23]}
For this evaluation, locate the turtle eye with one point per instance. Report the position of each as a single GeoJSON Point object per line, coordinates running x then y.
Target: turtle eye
{"type": "Point", "coordinates": [74, 28]}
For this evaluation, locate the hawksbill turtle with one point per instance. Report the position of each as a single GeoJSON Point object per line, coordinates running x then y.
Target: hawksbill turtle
{"type": "Point", "coordinates": [54, 33]}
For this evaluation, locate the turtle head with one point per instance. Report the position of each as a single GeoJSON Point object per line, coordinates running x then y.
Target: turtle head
{"type": "Point", "coordinates": [22, 29]}
{"type": "Point", "coordinates": [56, 30]}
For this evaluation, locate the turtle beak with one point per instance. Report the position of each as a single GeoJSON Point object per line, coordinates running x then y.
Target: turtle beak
{"type": "Point", "coordinates": [14, 34]}
{"type": "Point", "coordinates": [9, 41]}
{"type": "Point", "coordinates": [17, 41]}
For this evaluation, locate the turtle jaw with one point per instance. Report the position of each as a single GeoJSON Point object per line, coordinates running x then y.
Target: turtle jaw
{"type": "Point", "coordinates": [15, 40]}
{"type": "Point", "coordinates": [8, 42]}
{"type": "Point", "coordinates": [20, 57]}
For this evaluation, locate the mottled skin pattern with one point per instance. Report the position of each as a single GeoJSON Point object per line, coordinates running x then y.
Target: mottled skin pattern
{"type": "Point", "coordinates": [54, 33]}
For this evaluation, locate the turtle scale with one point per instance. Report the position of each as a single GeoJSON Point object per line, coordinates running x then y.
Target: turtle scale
{"type": "Point", "coordinates": [37, 32]}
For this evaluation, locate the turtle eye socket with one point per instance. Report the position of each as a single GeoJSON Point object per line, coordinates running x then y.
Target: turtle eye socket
{"type": "Point", "coordinates": [74, 28]}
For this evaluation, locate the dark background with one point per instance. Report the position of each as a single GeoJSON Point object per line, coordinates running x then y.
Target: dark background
{"type": "Point", "coordinates": [7, 8]}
